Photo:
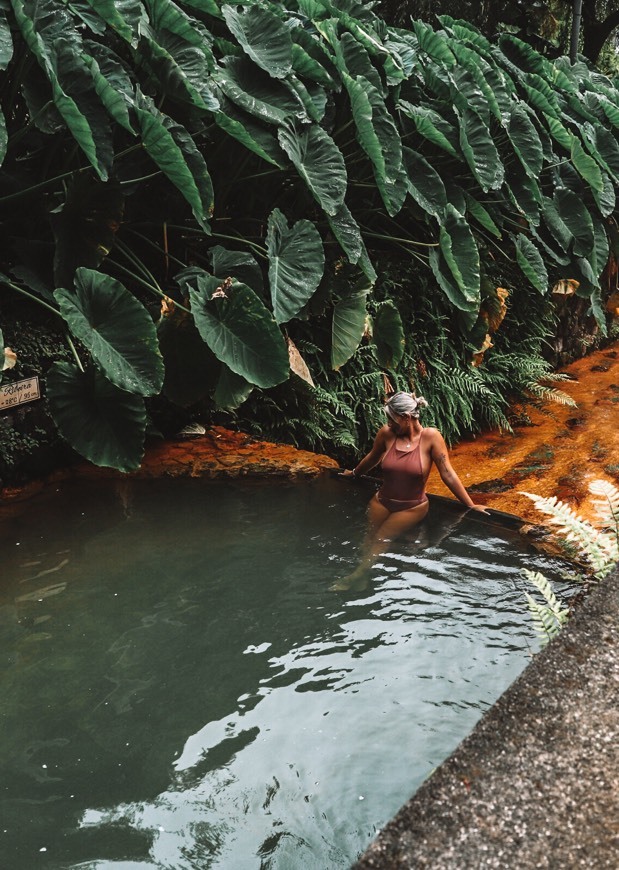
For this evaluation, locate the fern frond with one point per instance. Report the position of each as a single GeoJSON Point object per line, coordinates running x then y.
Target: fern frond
{"type": "Point", "coordinates": [607, 504]}
{"type": "Point", "coordinates": [600, 548]}
{"type": "Point", "coordinates": [550, 617]}
{"type": "Point", "coordinates": [550, 394]}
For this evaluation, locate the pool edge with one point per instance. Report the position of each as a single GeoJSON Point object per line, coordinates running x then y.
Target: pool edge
{"type": "Point", "coordinates": [536, 783]}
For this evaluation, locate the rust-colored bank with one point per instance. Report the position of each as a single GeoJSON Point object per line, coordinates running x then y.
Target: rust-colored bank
{"type": "Point", "coordinates": [557, 453]}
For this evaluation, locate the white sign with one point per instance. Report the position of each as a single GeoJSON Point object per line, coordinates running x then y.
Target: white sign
{"type": "Point", "coordinates": [19, 392]}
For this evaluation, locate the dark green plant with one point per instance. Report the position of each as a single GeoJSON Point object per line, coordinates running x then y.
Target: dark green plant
{"type": "Point", "coordinates": [308, 138]}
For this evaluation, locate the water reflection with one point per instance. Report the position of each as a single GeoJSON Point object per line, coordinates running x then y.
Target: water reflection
{"type": "Point", "coordinates": [183, 690]}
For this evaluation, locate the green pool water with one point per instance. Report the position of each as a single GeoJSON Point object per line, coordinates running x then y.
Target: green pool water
{"type": "Point", "coordinates": [180, 689]}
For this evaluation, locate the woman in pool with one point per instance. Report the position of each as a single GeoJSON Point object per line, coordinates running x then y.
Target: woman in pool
{"type": "Point", "coordinates": [406, 452]}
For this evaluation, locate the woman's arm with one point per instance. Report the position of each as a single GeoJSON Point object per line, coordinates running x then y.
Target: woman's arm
{"type": "Point", "coordinates": [440, 457]}
{"type": "Point", "coordinates": [371, 459]}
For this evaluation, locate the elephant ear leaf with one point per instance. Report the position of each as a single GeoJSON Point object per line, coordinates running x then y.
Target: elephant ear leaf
{"type": "Point", "coordinates": [296, 264]}
{"type": "Point", "coordinates": [461, 254]}
{"type": "Point", "coordinates": [346, 230]}
{"type": "Point", "coordinates": [262, 36]}
{"type": "Point", "coordinates": [116, 329]}
{"type": "Point", "coordinates": [530, 261]}
{"type": "Point", "coordinates": [318, 161]}
{"type": "Point", "coordinates": [424, 183]}
{"type": "Point", "coordinates": [173, 150]}
{"type": "Point", "coordinates": [388, 335]}
{"type": "Point", "coordinates": [525, 140]}
{"type": "Point", "coordinates": [238, 328]}
{"type": "Point", "coordinates": [575, 215]}
{"type": "Point", "coordinates": [238, 264]}
{"type": "Point", "coordinates": [231, 390]}
{"type": "Point", "coordinates": [480, 151]}
{"type": "Point", "coordinates": [6, 42]}
{"type": "Point", "coordinates": [4, 138]}
{"type": "Point", "coordinates": [102, 423]}
{"type": "Point", "coordinates": [348, 326]}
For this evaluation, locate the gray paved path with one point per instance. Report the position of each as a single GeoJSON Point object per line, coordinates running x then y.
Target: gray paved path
{"type": "Point", "coordinates": [536, 784]}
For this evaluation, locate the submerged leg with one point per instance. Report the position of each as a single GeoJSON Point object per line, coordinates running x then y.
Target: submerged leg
{"type": "Point", "coordinates": [383, 527]}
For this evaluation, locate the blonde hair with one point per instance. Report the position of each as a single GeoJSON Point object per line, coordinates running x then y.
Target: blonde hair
{"type": "Point", "coordinates": [405, 404]}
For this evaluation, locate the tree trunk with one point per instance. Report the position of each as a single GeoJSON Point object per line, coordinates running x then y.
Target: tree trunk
{"type": "Point", "coordinates": [575, 34]}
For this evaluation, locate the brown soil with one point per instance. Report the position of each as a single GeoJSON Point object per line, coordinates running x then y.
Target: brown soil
{"type": "Point", "coordinates": [557, 453]}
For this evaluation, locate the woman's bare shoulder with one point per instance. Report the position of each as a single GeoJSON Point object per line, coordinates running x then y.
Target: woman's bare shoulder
{"type": "Point", "coordinates": [433, 437]}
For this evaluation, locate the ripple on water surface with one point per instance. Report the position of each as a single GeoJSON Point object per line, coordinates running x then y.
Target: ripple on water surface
{"type": "Point", "coordinates": [182, 689]}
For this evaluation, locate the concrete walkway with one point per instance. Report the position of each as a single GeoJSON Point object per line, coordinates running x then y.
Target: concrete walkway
{"type": "Point", "coordinates": [536, 784]}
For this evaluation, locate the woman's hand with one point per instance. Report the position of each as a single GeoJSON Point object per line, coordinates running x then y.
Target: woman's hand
{"type": "Point", "coordinates": [347, 473]}
{"type": "Point", "coordinates": [479, 507]}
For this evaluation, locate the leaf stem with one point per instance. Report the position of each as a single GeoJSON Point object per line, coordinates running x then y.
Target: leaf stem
{"type": "Point", "coordinates": [74, 352]}
{"type": "Point", "coordinates": [154, 290]}
{"type": "Point", "coordinates": [31, 296]}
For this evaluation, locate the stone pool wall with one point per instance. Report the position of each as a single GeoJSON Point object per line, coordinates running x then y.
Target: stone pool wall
{"type": "Point", "coordinates": [536, 783]}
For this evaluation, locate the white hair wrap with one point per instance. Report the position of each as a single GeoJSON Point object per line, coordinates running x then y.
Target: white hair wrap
{"type": "Point", "coordinates": [405, 404]}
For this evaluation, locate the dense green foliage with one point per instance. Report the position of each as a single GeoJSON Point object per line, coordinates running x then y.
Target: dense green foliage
{"type": "Point", "coordinates": [259, 164]}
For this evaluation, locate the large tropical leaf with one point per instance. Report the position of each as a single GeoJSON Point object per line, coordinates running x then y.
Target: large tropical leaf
{"type": "Point", "coordinates": [466, 93]}
{"type": "Point", "coordinates": [523, 190]}
{"type": "Point", "coordinates": [318, 161]}
{"type": "Point", "coordinates": [231, 390]}
{"type": "Point", "coordinates": [253, 90]}
{"type": "Point", "coordinates": [575, 215]}
{"type": "Point", "coordinates": [3, 138]}
{"type": "Point", "coordinates": [346, 230]}
{"type": "Point", "coordinates": [433, 44]}
{"type": "Point", "coordinates": [123, 16]}
{"type": "Point", "coordinates": [586, 166]}
{"type": "Point", "coordinates": [296, 264]}
{"type": "Point", "coordinates": [312, 96]}
{"type": "Point", "coordinates": [238, 328]}
{"type": "Point", "coordinates": [531, 263]}
{"type": "Point", "coordinates": [116, 329]}
{"type": "Point", "coordinates": [388, 335]}
{"type": "Point", "coordinates": [6, 42]}
{"type": "Point", "coordinates": [348, 327]}
{"type": "Point", "coordinates": [320, 67]}
{"type": "Point", "coordinates": [52, 39]}
{"type": "Point", "coordinates": [167, 16]}
{"type": "Point", "coordinates": [379, 137]}
{"type": "Point", "coordinates": [558, 228]}
{"type": "Point", "coordinates": [603, 147]}
{"type": "Point", "coordinates": [174, 151]}
{"type": "Point", "coordinates": [424, 183]}
{"type": "Point", "coordinates": [601, 248]}
{"type": "Point", "coordinates": [525, 140]}
{"type": "Point", "coordinates": [263, 36]}
{"type": "Point", "coordinates": [432, 126]}
{"type": "Point", "coordinates": [493, 98]}
{"type": "Point", "coordinates": [480, 151]}
{"type": "Point", "coordinates": [181, 70]}
{"type": "Point", "coordinates": [111, 83]}
{"type": "Point", "coordinates": [101, 422]}
{"type": "Point", "coordinates": [605, 199]}
{"type": "Point", "coordinates": [481, 215]}
{"type": "Point", "coordinates": [444, 277]}
{"type": "Point", "coordinates": [461, 254]}
{"type": "Point", "coordinates": [541, 96]}
{"type": "Point", "coordinates": [239, 265]}
{"type": "Point", "coordinates": [249, 132]}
